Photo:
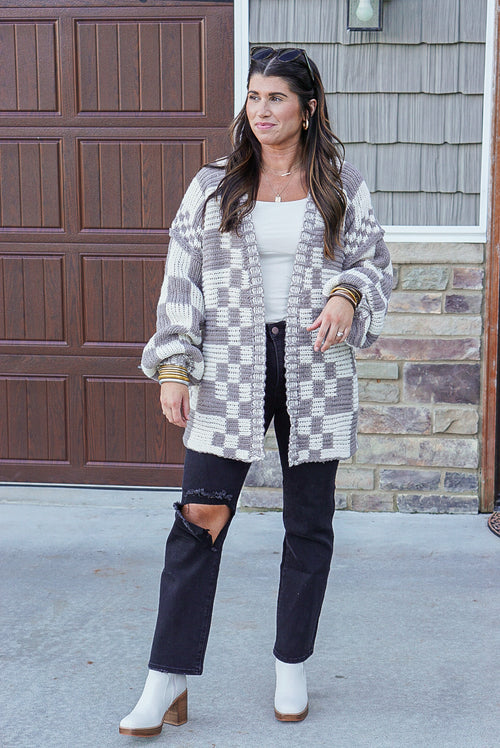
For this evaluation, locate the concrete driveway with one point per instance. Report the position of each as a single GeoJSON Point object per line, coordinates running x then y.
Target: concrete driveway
{"type": "Point", "coordinates": [407, 652]}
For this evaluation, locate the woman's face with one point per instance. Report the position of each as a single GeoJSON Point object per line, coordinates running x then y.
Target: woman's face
{"type": "Point", "coordinates": [274, 111]}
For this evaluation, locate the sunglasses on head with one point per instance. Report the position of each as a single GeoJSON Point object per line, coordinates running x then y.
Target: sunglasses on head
{"type": "Point", "coordinates": [290, 54]}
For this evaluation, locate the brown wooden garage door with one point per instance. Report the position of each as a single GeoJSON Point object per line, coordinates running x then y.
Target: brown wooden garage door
{"type": "Point", "coordinates": [107, 110]}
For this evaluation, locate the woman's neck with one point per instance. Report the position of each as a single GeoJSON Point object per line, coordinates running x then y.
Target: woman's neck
{"type": "Point", "coordinates": [280, 161]}
{"type": "Point", "coordinates": [282, 178]}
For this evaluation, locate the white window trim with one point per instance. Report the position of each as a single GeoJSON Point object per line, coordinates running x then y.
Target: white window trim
{"type": "Point", "coordinates": [399, 234]}
{"type": "Point", "coordinates": [241, 52]}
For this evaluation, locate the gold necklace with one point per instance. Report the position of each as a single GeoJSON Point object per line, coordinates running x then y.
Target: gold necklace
{"type": "Point", "coordinates": [279, 193]}
{"type": "Point", "coordinates": [291, 170]}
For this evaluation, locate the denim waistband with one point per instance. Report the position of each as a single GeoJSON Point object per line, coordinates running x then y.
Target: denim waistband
{"type": "Point", "coordinates": [280, 325]}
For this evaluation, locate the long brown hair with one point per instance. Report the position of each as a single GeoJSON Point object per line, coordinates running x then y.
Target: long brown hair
{"type": "Point", "coordinates": [322, 154]}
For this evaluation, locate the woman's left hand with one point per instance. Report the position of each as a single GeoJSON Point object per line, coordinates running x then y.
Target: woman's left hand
{"type": "Point", "coordinates": [334, 323]}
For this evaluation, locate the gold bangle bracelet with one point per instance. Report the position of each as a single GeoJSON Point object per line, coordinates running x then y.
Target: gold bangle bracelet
{"type": "Point", "coordinates": [344, 296]}
{"type": "Point", "coordinates": [345, 290]}
{"type": "Point", "coordinates": [355, 297]}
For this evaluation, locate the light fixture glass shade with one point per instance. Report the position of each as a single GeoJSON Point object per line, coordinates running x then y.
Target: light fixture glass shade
{"type": "Point", "coordinates": [364, 15]}
{"type": "Point", "coordinates": [365, 10]}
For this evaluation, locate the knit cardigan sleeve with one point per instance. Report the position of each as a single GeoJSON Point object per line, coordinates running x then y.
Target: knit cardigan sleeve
{"type": "Point", "coordinates": [367, 263]}
{"type": "Point", "coordinates": [180, 311]}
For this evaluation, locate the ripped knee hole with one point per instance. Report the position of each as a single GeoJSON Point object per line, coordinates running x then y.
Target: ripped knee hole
{"type": "Point", "coordinates": [204, 497]}
{"type": "Point", "coordinates": [211, 521]}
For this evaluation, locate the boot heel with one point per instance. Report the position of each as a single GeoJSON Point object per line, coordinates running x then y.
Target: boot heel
{"type": "Point", "coordinates": [177, 713]}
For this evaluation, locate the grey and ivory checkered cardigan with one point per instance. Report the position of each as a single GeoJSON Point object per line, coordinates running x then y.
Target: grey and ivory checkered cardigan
{"type": "Point", "coordinates": [211, 320]}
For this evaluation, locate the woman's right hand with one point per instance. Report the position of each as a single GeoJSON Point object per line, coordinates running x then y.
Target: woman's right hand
{"type": "Point", "coordinates": [174, 399]}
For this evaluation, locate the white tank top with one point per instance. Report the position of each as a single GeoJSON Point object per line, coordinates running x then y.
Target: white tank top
{"type": "Point", "coordinates": [277, 231]}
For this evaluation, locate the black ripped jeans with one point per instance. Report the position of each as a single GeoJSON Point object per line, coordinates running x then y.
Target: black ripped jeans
{"type": "Point", "coordinates": [189, 579]}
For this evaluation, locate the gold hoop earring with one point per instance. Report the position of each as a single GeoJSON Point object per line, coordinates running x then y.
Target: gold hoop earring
{"type": "Point", "coordinates": [305, 124]}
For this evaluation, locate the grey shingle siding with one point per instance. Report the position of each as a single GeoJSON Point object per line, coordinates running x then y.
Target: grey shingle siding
{"type": "Point", "coordinates": [405, 118]}
{"type": "Point", "coordinates": [398, 68]}
{"type": "Point", "coordinates": [407, 101]}
{"type": "Point", "coordinates": [405, 21]}
{"type": "Point", "coordinates": [406, 209]}
{"type": "Point", "coordinates": [405, 167]}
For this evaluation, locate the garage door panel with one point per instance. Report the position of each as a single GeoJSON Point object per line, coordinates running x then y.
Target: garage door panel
{"type": "Point", "coordinates": [89, 187]}
{"type": "Point", "coordinates": [112, 300]}
{"type": "Point", "coordinates": [126, 184]}
{"type": "Point", "coordinates": [47, 67]}
{"type": "Point", "coordinates": [27, 73]}
{"type": "Point", "coordinates": [51, 180]}
{"type": "Point", "coordinates": [86, 54]}
{"type": "Point", "coordinates": [124, 424]}
{"type": "Point", "coordinates": [107, 182]}
{"type": "Point", "coordinates": [104, 71]}
{"type": "Point", "coordinates": [35, 419]}
{"type": "Point", "coordinates": [34, 299]}
{"type": "Point", "coordinates": [135, 405]}
{"type": "Point", "coordinates": [13, 298]}
{"type": "Point", "coordinates": [54, 299]}
{"type": "Point", "coordinates": [30, 178]}
{"type": "Point", "coordinates": [192, 55]}
{"type": "Point", "coordinates": [128, 69]}
{"type": "Point", "coordinates": [174, 178]}
{"type": "Point", "coordinates": [172, 84]}
{"type": "Point", "coordinates": [16, 418]}
{"type": "Point", "coordinates": [186, 82]}
{"type": "Point", "coordinates": [28, 66]}
{"type": "Point", "coordinates": [152, 185]}
{"type": "Point", "coordinates": [150, 67]}
{"type": "Point", "coordinates": [10, 185]}
{"type": "Point", "coordinates": [131, 188]}
{"type": "Point", "coordinates": [58, 424]}
{"type": "Point", "coordinates": [37, 407]}
{"type": "Point", "coordinates": [141, 66]}
{"type": "Point", "coordinates": [107, 111]}
{"type": "Point", "coordinates": [30, 184]}
{"type": "Point", "coordinates": [31, 299]}
{"type": "Point", "coordinates": [153, 270]}
{"type": "Point", "coordinates": [8, 84]}
{"type": "Point", "coordinates": [4, 432]}
{"type": "Point", "coordinates": [119, 298]}
{"type": "Point", "coordinates": [134, 291]}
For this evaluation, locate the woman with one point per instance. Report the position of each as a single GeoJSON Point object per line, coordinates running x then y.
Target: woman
{"type": "Point", "coordinates": [276, 269]}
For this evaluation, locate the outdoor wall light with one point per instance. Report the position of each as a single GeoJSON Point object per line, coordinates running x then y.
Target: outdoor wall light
{"type": "Point", "coordinates": [364, 15]}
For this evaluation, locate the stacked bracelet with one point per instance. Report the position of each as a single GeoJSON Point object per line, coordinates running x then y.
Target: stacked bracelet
{"type": "Point", "coordinates": [350, 293]}
{"type": "Point", "coordinates": [172, 373]}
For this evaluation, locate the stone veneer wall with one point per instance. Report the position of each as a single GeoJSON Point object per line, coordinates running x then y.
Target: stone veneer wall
{"type": "Point", "coordinates": [419, 387]}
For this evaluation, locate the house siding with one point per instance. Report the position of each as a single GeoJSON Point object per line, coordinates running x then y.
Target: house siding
{"type": "Point", "coordinates": [420, 413]}
{"type": "Point", "coordinates": [411, 94]}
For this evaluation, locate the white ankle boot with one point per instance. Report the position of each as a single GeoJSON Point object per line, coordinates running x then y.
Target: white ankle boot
{"type": "Point", "coordinates": [164, 699]}
{"type": "Point", "coordinates": [290, 700]}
